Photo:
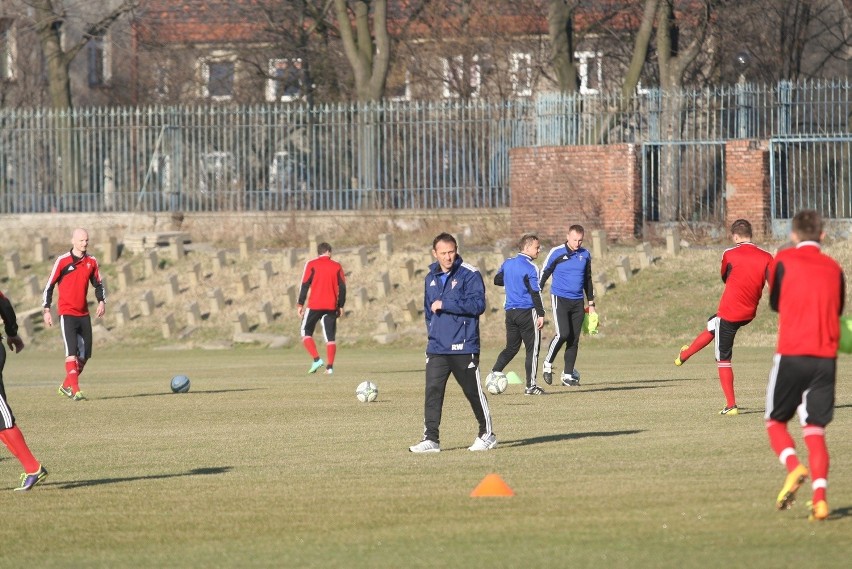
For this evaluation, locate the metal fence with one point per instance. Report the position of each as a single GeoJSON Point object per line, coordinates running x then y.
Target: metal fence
{"type": "Point", "coordinates": [390, 155]}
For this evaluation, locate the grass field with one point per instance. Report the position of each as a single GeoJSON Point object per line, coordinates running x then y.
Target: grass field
{"type": "Point", "coordinates": [260, 465]}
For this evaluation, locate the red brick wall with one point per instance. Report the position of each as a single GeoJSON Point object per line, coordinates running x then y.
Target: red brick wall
{"type": "Point", "coordinates": [598, 187]}
{"type": "Point", "coordinates": [747, 188]}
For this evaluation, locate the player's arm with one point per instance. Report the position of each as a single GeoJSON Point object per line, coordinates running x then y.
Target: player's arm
{"type": "Point", "coordinates": [7, 314]}
{"type": "Point", "coordinates": [307, 279]}
{"type": "Point", "coordinates": [100, 292]}
{"type": "Point", "coordinates": [776, 277]}
{"type": "Point", "coordinates": [531, 284]}
{"type": "Point", "coordinates": [547, 269]}
{"type": "Point", "coordinates": [498, 278]}
{"type": "Point", "coordinates": [341, 290]}
{"type": "Point", "coordinates": [588, 285]}
{"type": "Point", "coordinates": [842, 291]}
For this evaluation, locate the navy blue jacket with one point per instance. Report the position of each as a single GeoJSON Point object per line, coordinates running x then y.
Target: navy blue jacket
{"type": "Point", "coordinates": [455, 328]}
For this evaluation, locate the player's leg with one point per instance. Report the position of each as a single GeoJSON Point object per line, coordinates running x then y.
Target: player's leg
{"type": "Point", "coordinates": [816, 413]}
{"type": "Point", "coordinates": [699, 343]}
{"type": "Point", "coordinates": [725, 334]}
{"type": "Point", "coordinates": [783, 396]}
{"type": "Point", "coordinates": [329, 332]}
{"type": "Point", "coordinates": [437, 373]}
{"type": "Point", "coordinates": [84, 351]}
{"type": "Point", "coordinates": [71, 334]}
{"type": "Point", "coordinates": [465, 368]}
{"type": "Point", "coordinates": [532, 343]}
{"type": "Point", "coordinates": [559, 312]}
{"type": "Point", "coordinates": [576, 313]}
{"type": "Point", "coordinates": [513, 341]}
{"type": "Point", "coordinates": [306, 330]}
{"type": "Point", "coordinates": [13, 438]}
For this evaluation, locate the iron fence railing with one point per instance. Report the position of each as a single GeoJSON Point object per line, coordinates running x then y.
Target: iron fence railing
{"type": "Point", "coordinates": [396, 154]}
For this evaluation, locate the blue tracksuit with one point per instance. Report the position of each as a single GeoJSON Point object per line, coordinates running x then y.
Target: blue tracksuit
{"type": "Point", "coordinates": [519, 276]}
{"type": "Point", "coordinates": [455, 328]}
{"type": "Point", "coordinates": [572, 273]}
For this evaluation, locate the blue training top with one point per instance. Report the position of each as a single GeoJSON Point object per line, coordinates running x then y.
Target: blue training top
{"type": "Point", "coordinates": [520, 277]}
{"type": "Point", "coordinates": [572, 273]}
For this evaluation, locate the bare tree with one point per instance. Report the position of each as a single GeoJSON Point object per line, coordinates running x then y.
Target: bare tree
{"type": "Point", "coordinates": [368, 52]}
{"type": "Point", "coordinates": [560, 19]}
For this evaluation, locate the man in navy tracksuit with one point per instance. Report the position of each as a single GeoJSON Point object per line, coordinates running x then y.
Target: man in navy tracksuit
{"type": "Point", "coordinates": [571, 267]}
{"type": "Point", "coordinates": [453, 300]}
{"type": "Point", "coordinates": [524, 310]}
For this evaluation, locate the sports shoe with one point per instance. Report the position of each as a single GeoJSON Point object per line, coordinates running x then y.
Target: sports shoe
{"type": "Point", "coordinates": [30, 480]}
{"type": "Point", "coordinates": [547, 375]}
{"type": "Point", "coordinates": [534, 390]}
{"type": "Point", "coordinates": [329, 371]}
{"type": "Point", "coordinates": [425, 446]}
{"type": "Point", "coordinates": [316, 365]}
{"type": "Point", "coordinates": [66, 391]}
{"type": "Point", "coordinates": [79, 396]}
{"type": "Point", "coordinates": [569, 380]}
{"type": "Point", "coordinates": [794, 480]}
{"type": "Point", "coordinates": [819, 511]}
{"type": "Point", "coordinates": [678, 361]}
{"type": "Point", "coordinates": [487, 443]}
{"type": "Point", "coordinates": [732, 410]}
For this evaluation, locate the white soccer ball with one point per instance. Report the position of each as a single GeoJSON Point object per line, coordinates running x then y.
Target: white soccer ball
{"type": "Point", "coordinates": [367, 391]}
{"type": "Point", "coordinates": [496, 382]}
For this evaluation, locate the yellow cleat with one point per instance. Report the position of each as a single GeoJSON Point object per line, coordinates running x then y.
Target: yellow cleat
{"type": "Point", "coordinates": [819, 511]}
{"type": "Point", "coordinates": [678, 361]}
{"type": "Point", "coordinates": [730, 411]}
{"type": "Point", "coordinates": [794, 480]}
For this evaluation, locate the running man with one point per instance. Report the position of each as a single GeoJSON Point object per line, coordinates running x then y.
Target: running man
{"type": "Point", "coordinates": [808, 290]}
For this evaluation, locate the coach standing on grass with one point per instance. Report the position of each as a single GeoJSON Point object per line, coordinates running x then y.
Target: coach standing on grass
{"type": "Point", "coordinates": [454, 298]}
{"type": "Point", "coordinates": [571, 267]}
{"type": "Point", "coordinates": [524, 310]}
{"type": "Point", "coordinates": [808, 290]}
{"type": "Point", "coordinates": [72, 274]}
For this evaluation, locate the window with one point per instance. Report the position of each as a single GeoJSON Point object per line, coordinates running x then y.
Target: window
{"type": "Point", "coordinates": [589, 70]}
{"type": "Point", "coordinates": [161, 81]}
{"type": "Point", "coordinates": [217, 77]}
{"type": "Point", "coordinates": [286, 80]}
{"type": "Point", "coordinates": [461, 78]}
{"type": "Point", "coordinates": [521, 72]}
{"type": "Point", "coordinates": [8, 50]}
{"type": "Point", "coordinates": [99, 61]}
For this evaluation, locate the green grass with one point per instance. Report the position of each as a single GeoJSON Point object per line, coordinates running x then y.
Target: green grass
{"type": "Point", "coordinates": [260, 465]}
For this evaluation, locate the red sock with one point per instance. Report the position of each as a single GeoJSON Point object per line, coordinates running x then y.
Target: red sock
{"type": "Point", "coordinates": [81, 363]}
{"type": "Point", "coordinates": [697, 345]}
{"type": "Point", "coordinates": [782, 443]}
{"type": "Point", "coordinates": [726, 380]}
{"type": "Point", "coordinates": [14, 439]}
{"type": "Point", "coordinates": [309, 344]}
{"type": "Point", "coordinates": [818, 459]}
{"type": "Point", "coordinates": [72, 378]}
{"type": "Point", "coordinates": [330, 350]}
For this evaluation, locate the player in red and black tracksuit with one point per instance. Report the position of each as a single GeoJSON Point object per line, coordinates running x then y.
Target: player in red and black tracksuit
{"type": "Point", "coordinates": [453, 300]}
{"type": "Point", "coordinates": [744, 272]}
{"type": "Point", "coordinates": [324, 278]}
{"type": "Point", "coordinates": [10, 434]}
{"type": "Point", "coordinates": [807, 288]}
{"type": "Point", "coordinates": [72, 274]}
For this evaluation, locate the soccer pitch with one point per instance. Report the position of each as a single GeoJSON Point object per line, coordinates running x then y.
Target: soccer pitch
{"type": "Point", "coordinates": [262, 465]}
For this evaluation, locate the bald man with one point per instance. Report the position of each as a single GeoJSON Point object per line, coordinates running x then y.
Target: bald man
{"type": "Point", "coordinates": [72, 273]}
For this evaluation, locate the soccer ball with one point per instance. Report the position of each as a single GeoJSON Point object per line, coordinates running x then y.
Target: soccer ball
{"type": "Point", "coordinates": [367, 391]}
{"type": "Point", "coordinates": [180, 384]}
{"type": "Point", "coordinates": [496, 382]}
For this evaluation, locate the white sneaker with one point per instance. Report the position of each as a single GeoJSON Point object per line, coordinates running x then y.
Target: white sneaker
{"type": "Point", "coordinates": [425, 446]}
{"type": "Point", "coordinates": [484, 443]}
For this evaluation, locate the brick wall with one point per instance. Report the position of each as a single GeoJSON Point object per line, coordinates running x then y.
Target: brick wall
{"type": "Point", "coordinates": [747, 188]}
{"type": "Point", "coordinates": [600, 187]}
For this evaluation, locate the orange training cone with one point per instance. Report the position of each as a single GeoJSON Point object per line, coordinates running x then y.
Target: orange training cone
{"type": "Point", "coordinates": [492, 485]}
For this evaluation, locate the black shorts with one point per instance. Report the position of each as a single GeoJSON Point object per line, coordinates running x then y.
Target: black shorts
{"type": "Point", "coordinates": [725, 332]}
{"type": "Point", "coordinates": [77, 334]}
{"type": "Point", "coordinates": [328, 319]}
{"type": "Point", "coordinates": [801, 384]}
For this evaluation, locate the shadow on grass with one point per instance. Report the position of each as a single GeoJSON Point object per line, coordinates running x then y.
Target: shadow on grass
{"type": "Point", "coordinates": [587, 389]}
{"type": "Point", "coordinates": [99, 481]}
{"type": "Point", "coordinates": [838, 513]}
{"type": "Point", "coordinates": [163, 393]}
{"type": "Point", "coordinates": [566, 437]}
